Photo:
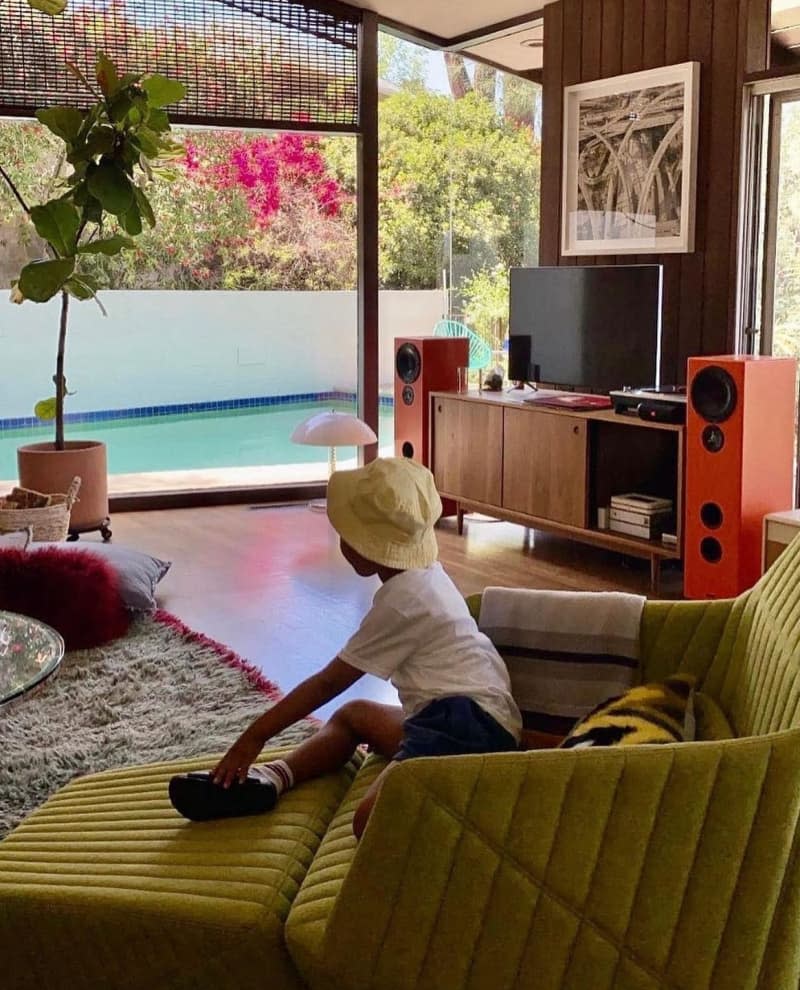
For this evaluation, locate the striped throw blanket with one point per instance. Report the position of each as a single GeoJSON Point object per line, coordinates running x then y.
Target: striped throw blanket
{"type": "Point", "coordinates": [566, 652]}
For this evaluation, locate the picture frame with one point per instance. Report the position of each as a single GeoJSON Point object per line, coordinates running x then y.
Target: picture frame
{"type": "Point", "coordinates": [630, 163]}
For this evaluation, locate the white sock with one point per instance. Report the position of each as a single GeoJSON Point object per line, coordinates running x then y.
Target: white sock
{"type": "Point", "coordinates": [278, 773]}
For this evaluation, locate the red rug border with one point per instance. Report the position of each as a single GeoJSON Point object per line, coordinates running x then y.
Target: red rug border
{"type": "Point", "coordinates": [228, 656]}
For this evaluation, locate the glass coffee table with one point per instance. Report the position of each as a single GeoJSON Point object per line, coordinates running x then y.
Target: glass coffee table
{"type": "Point", "coordinates": [30, 652]}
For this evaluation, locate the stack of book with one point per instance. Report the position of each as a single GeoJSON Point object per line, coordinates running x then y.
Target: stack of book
{"type": "Point", "coordinates": [645, 516]}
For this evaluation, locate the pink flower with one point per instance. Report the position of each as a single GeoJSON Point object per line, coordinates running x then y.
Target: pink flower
{"type": "Point", "coordinates": [192, 162]}
{"type": "Point", "coordinates": [271, 173]}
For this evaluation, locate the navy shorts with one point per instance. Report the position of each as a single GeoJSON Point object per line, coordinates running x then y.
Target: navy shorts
{"type": "Point", "coordinates": [451, 727]}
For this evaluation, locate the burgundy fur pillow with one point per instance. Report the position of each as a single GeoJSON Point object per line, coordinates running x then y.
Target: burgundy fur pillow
{"type": "Point", "coordinates": [77, 594]}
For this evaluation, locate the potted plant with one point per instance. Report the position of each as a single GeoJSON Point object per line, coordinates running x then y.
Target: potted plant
{"type": "Point", "coordinates": [115, 148]}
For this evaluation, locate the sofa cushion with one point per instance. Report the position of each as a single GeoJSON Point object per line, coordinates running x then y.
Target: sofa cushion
{"type": "Point", "coordinates": [313, 906]}
{"type": "Point", "coordinates": [107, 883]}
{"type": "Point", "coordinates": [649, 713]}
{"type": "Point", "coordinates": [138, 572]}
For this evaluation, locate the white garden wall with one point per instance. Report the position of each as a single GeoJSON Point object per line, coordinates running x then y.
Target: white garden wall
{"type": "Point", "coordinates": [159, 348]}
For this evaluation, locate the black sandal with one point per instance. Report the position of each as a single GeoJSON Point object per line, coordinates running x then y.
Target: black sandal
{"type": "Point", "coordinates": [198, 798]}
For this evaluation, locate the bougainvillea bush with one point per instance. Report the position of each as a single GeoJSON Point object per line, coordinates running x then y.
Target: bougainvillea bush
{"type": "Point", "coordinates": [276, 215]}
{"type": "Point", "coordinates": [247, 211]}
{"type": "Point", "coordinates": [244, 211]}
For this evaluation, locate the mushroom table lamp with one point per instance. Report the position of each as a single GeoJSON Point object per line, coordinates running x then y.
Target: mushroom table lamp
{"type": "Point", "coordinates": [333, 429]}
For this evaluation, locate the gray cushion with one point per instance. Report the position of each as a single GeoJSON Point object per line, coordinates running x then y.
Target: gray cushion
{"type": "Point", "coordinates": [138, 572]}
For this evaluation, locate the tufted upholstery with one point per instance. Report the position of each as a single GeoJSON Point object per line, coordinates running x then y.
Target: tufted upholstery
{"type": "Point", "coordinates": [105, 886]}
{"type": "Point", "coordinates": [672, 866]}
{"type": "Point", "coordinates": [307, 926]}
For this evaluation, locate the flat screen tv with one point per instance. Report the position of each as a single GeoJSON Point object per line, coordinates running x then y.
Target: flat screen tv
{"type": "Point", "coordinates": [592, 328]}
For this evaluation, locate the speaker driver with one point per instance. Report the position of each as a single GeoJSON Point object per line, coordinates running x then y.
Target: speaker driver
{"type": "Point", "coordinates": [714, 394]}
{"type": "Point", "coordinates": [408, 363]}
{"type": "Point", "coordinates": [713, 439]}
{"type": "Point", "coordinates": [711, 515]}
{"type": "Point", "coordinates": [711, 550]}
{"type": "Point", "coordinates": [408, 395]}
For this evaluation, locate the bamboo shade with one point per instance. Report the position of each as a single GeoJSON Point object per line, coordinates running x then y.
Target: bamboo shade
{"type": "Point", "coordinates": [244, 61]}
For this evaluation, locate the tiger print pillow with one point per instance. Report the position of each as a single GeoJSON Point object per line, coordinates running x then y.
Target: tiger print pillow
{"type": "Point", "coordinates": [648, 713]}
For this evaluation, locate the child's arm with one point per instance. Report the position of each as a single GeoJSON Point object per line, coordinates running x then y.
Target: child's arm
{"type": "Point", "coordinates": [309, 695]}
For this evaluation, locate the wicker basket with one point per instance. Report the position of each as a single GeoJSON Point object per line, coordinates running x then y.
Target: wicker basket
{"type": "Point", "coordinates": [47, 515]}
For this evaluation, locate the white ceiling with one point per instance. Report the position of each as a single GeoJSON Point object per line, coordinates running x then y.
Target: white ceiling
{"type": "Point", "coordinates": [450, 18]}
{"type": "Point", "coordinates": [786, 24]}
{"type": "Point", "coordinates": [519, 50]}
{"type": "Point", "coordinates": [516, 47]}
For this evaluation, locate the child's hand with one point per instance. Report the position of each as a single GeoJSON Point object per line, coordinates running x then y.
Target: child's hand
{"type": "Point", "coordinates": [237, 761]}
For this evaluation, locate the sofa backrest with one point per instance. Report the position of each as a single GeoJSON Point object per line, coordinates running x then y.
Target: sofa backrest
{"type": "Point", "coordinates": [755, 673]}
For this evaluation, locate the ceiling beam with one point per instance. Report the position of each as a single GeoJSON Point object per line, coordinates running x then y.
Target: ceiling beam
{"type": "Point", "coordinates": [491, 31]}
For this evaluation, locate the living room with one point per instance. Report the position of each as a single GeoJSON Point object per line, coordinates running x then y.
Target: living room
{"type": "Point", "coordinates": [604, 866]}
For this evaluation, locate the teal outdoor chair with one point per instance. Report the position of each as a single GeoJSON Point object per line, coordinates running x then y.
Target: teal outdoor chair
{"type": "Point", "coordinates": [480, 354]}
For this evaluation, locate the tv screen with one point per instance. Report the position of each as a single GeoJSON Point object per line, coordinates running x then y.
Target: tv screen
{"type": "Point", "coordinates": [595, 328]}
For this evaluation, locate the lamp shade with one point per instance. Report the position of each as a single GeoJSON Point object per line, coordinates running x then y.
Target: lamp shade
{"type": "Point", "coordinates": [334, 429]}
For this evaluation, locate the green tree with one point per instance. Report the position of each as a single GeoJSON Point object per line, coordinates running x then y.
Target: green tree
{"type": "Point", "coordinates": [452, 170]}
{"type": "Point", "coordinates": [486, 304]}
{"type": "Point", "coordinates": [401, 63]}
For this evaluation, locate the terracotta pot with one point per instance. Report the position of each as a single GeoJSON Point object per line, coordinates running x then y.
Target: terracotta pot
{"type": "Point", "coordinates": [45, 469]}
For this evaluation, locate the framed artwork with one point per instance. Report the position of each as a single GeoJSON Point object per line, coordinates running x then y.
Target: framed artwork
{"type": "Point", "coordinates": [630, 163]}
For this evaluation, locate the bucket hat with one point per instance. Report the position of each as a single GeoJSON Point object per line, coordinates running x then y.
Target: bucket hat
{"type": "Point", "coordinates": [386, 512]}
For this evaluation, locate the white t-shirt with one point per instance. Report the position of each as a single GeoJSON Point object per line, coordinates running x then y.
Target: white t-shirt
{"type": "Point", "coordinates": [420, 635]}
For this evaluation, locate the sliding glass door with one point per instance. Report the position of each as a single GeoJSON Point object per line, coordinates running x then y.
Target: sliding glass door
{"type": "Point", "coordinates": [781, 289]}
{"type": "Point", "coordinates": [769, 301]}
{"type": "Point", "coordinates": [769, 282]}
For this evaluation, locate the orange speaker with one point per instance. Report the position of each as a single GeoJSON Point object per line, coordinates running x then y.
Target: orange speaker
{"type": "Point", "coordinates": [740, 431]}
{"type": "Point", "coordinates": [422, 365]}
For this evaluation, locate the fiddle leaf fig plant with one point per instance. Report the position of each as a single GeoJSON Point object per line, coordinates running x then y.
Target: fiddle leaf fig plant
{"type": "Point", "coordinates": [113, 151]}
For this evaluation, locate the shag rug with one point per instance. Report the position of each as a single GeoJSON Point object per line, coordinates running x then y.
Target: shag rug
{"type": "Point", "coordinates": [159, 693]}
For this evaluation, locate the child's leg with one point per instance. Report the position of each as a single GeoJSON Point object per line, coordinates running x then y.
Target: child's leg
{"type": "Point", "coordinates": [196, 797]}
{"type": "Point", "coordinates": [445, 727]}
{"type": "Point", "coordinates": [379, 726]}
{"type": "Point", "coordinates": [357, 722]}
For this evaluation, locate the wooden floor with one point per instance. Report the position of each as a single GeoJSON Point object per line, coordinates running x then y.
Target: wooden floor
{"type": "Point", "coordinates": [271, 584]}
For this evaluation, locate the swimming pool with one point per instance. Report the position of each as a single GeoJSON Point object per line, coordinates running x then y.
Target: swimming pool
{"type": "Point", "coordinates": [219, 438]}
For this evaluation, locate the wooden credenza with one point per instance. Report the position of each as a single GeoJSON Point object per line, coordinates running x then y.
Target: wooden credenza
{"type": "Point", "coordinates": [551, 469]}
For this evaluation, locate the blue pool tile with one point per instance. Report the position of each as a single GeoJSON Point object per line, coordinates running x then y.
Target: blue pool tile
{"type": "Point", "coordinates": [190, 408]}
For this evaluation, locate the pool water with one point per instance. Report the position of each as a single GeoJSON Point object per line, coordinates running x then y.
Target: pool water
{"type": "Point", "coordinates": [217, 439]}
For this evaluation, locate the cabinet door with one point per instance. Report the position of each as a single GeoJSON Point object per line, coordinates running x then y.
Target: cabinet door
{"type": "Point", "coordinates": [544, 465]}
{"type": "Point", "coordinates": [468, 449]}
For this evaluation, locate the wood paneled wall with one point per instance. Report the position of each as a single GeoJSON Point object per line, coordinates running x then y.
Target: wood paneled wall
{"type": "Point", "coordinates": [595, 39]}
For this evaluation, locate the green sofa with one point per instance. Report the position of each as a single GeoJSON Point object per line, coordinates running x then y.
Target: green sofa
{"type": "Point", "coordinates": [631, 868]}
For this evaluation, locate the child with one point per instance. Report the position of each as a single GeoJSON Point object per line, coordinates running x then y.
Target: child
{"type": "Point", "coordinates": [419, 634]}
